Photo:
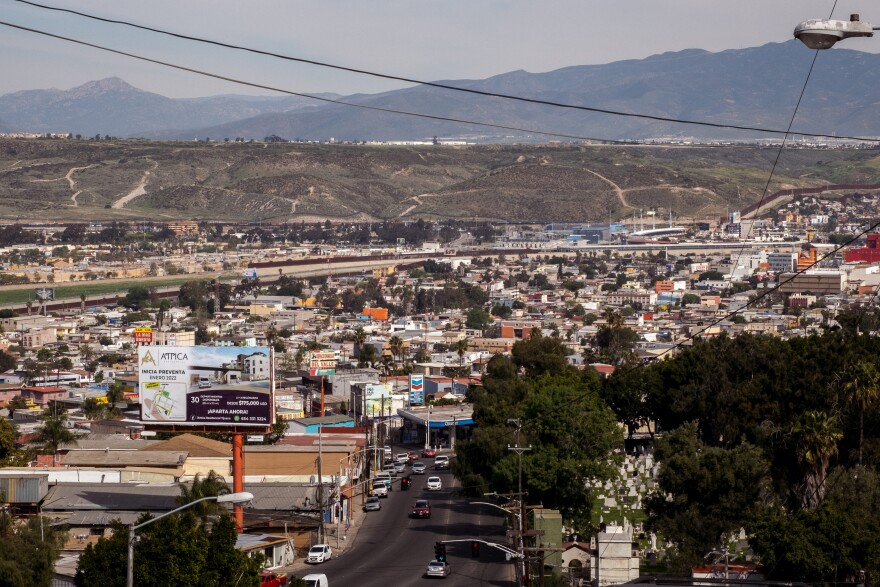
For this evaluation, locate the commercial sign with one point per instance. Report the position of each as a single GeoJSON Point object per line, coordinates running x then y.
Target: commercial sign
{"type": "Point", "coordinates": [322, 363]}
{"type": "Point", "coordinates": [46, 294]}
{"type": "Point", "coordinates": [143, 335]}
{"type": "Point", "coordinates": [416, 389]}
{"type": "Point", "coordinates": [212, 386]}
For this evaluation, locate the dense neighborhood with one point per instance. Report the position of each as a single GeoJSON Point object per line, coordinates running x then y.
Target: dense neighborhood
{"type": "Point", "coordinates": [430, 337]}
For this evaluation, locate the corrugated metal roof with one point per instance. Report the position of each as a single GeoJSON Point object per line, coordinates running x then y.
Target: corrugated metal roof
{"type": "Point", "coordinates": [89, 518]}
{"type": "Point", "coordinates": [137, 458]}
{"type": "Point", "coordinates": [283, 496]}
{"type": "Point", "coordinates": [108, 497]}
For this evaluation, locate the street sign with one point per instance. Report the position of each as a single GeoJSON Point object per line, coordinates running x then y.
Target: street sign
{"type": "Point", "coordinates": [143, 335]}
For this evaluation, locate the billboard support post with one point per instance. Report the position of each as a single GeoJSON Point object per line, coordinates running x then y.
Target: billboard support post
{"type": "Point", "coordinates": [237, 479]}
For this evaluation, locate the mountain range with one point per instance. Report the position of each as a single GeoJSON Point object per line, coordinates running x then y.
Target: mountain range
{"type": "Point", "coordinates": [755, 87]}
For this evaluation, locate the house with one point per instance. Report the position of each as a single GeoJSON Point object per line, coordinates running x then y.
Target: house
{"type": "Point", "coordinates": [203, 454]}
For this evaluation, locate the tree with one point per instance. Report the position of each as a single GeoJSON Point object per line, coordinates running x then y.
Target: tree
{"type": "Point", "coordinates": [863, 390]}
{"type": "Point", "coordinates": [210, 486]}
{"type": "Point", "coordinates": [477, 319]}
{"type": "Point", "coordinates": [53, 432]}
{"type": "Point", "coordinates": [8, 434]}
{"type": "Point", "coordinates": [396, 345]}
{"type": "Point", "coordinates": [27, 551]}
{"type": "Point", "coordinates": [704, 493]}
{"type": "Point", "coordinates": [7, 361]}
{"type": "Point", "coordinates": [816, 435]}
{"type": "Point", "coordinates": [175, 550]}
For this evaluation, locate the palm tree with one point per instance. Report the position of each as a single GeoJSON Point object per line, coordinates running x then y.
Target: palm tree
{"type": "Point", "coordinates": [816, 435]}
{"type": "Point", "coordinates": [396, 345]}
{"type": "Point", "coordinates": [863, 389]}
{"type": "Point", "coordinates": [211, 486]}
{"type": "Point", "coordinates": [53, 432]}
{"type": "Point", "coordinates": [460, 347]}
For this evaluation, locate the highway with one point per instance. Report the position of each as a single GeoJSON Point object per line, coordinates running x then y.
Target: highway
{"type": "Point", "coordinates": [392, 549]}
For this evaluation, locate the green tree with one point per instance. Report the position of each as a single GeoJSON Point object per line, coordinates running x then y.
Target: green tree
{"type": "Point", "coordinates": [53, 432]}
{"type": "Point", "coordinates": [210, 486]}
{"type": "Point", "coordinates": [816, 435]}
{"type": "Point", "coordinates": [8, 434]}
{"type": "Point", "coordinates": [27, 551]}
{"type": "Point", "coordinates": [863, 390]}
{"type": "Point", "coordinates": [477, 319]}
{"type": "Point", "coordinates": [704, 493]}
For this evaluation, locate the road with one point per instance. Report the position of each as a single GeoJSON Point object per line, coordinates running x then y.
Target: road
{"type": "Point", "coordinates": [392, 550]}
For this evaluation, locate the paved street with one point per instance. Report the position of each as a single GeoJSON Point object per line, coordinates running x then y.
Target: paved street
{"type": "Point", "coordinates": [391, 549]}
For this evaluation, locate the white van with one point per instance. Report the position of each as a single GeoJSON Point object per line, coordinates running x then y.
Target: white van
{"type": "Point", "coordinates": [316, 580]}
{"type": "Point", "coordinates": [204, 382]}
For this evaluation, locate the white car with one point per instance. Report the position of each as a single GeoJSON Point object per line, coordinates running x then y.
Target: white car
{"type": "Point", "coordinates": [401, 457]}
{"type": "Point", "coordinates": [434, 484]}
{"type": "Point", "coordinates": [319, 553]}
{"type": "Point", "coordinates": [380, 489]}
{"type": "Point", "coordinates": [441, 462]}
{"type": "Point", "coordinates": [438, 569]}
{"type": "Point", "coordinates": [418, 468]}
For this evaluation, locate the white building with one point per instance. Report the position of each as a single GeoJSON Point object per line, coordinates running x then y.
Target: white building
{"type": "Point", "coordinates": [617, 560]}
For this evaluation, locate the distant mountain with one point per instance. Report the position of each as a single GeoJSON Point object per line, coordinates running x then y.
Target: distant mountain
{"type": "Point", "coordinates": [756, 87]}
{"type": "Point", "coordinates": [112, 106]}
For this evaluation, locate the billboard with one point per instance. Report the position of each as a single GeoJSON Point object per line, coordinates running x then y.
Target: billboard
{"type": "Point", "coordinates": [416, 389]}
{"type": "Point", "coordinates": [322, 363]}
{"type": "Point", "coordinates": [206, 386]}
{"type": "Point", "coordinates": [45, 294]}
{"type": "Point", "coordinates": [143, 335]}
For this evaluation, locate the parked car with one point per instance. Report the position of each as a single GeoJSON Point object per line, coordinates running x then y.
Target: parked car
{"type": "Point", "coordinates": [315, 580]}
{"type": "Point", "coordinates": [438, 569]}
{"type": "Point", "coordinates": [434, 484]}
{"type": "Point", "coordinates": [418, 468]}
{"type": "Point", "coordinates": [429, 453]}
{"type": "Point", "coordinates": [373, 504]}
{"type": "Point", "coordinates": [379, 489]}
{"type": "Point", "coordinates": [421, 509]}
{"type": "Point", "coordinates": [441, 462]}
{"type": "Point", "coordinates": [270, 579]}
{"type": "Point", "coordinates": [319, 553]}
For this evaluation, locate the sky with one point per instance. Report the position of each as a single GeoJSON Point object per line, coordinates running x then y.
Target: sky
{"type": "Point", "coordinates": [418, 39]}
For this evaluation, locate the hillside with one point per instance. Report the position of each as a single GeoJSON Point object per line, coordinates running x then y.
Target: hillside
{"type": "Point", "coordinates": [77, 180]}
{"type": "Point", "coordinates": [753, 87]}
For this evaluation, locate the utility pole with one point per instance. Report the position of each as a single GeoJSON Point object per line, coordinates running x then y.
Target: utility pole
{"type": "Point", "coordinates": [519, 450]}
{"type": "Point", "coordinates": [320, 490]}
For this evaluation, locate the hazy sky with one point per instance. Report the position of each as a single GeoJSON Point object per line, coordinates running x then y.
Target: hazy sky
{"type": "Point", "coordinates": [421, 39]}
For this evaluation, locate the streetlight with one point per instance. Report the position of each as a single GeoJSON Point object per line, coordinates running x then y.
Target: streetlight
{"type": "Point", "coordinates": [240, 497]}
{"type": "Point", "coordinates": [823, 34]}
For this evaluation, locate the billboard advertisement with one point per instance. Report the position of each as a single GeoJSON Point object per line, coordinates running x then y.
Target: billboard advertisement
{"type": "Point", "coordinates": [416, 390]}
{"type": "Point", "coordinates": [322, 363]}
{"type": "Point", "coordinates": [206, 386]}
{"type": "Point", "coordinates": [143, 335]}
{"type": "Point", "coordinates": [45, 294]}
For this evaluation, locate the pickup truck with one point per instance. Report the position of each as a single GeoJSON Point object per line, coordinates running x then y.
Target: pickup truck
{"type": "Point", "coordinates": [270, 579]}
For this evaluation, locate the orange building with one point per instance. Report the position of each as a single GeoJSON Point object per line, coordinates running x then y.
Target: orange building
{"type": "Point", "coordinates": [376, 313]}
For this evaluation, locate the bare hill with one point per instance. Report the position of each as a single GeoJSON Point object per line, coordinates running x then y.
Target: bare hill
{"type": "Point", "coordinates": [77, 180]}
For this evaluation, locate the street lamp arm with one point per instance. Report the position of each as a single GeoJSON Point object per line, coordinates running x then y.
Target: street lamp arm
{"type": "Point", "coordinates": [494, 505]}
{"type": "Point", "coordinates": [500, 547]}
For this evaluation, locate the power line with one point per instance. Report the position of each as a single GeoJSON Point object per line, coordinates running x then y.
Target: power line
{"type": "Point", "coordinates": [310, 96]}
{"type": "Point", "coordinates": [537, 101]}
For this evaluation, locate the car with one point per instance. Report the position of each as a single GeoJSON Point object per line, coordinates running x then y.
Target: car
{"type": "Point", "coordinates": [379, 489]}
{"type": "Point", "coordinates": [418, 468]}
{"type": "Point", "coordinates": [401, 457]}
{"type": "Point", "coordinates": [373, 504]}
{"type": "Point", "coordinates": [421, 509]}
{"type": "Point", "coordinates": [399, 467]}
{"type": "Point", "coordinates": [319, 553]}
{"type": "Point", "coordinates": [429, 453]}
{"type": "Point", "coordinates": [270, 579]}
{"type": "Point", "coordinates": [204, 383]}
{"type": "Point", "coordinates": [413, 456]}
{"type": "Point", "coordinates": [441, 462]}
{"type": "Point", "coordinates": [316, 580]}
{"type": "Point", "coordinates": [438, 569]}
{"type": "Point", "coordinates": [434, 484]}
